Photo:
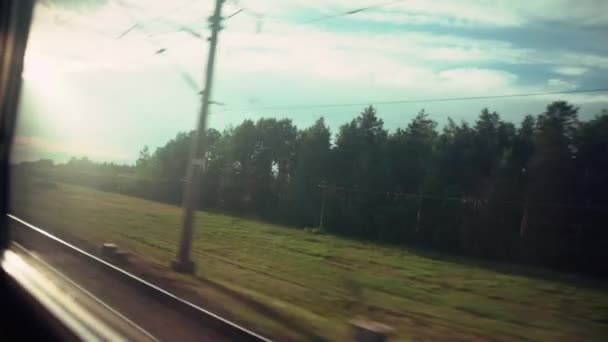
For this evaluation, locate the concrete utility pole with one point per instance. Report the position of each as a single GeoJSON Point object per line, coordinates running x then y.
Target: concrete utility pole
{"type": "Point", "coordinates": [196, 165]}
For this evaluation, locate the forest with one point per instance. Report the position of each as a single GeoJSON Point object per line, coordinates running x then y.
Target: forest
{"type": "Point", "coordinates": [530, 192]}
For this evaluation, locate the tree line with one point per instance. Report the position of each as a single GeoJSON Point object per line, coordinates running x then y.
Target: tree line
{"type": "Point", "coordinates": [532, 192]}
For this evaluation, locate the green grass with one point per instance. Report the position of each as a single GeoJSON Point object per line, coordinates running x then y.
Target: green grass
{"type": "Point", "coordinates": [323, 281]}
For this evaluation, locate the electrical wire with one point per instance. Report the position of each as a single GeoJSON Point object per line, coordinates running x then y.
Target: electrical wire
{"type": "Point", "coordinates": [193, 84]}
{"type": "Point", "coordinates": [261, 17]}
{"type": "Point", "coordinates": [235, 13]}
{"type": "Point", "coordinates": [188, 79]}
{"type": "Point", "coordinates": [446, 99]}
{"type": "Point", "coordinates": [351, 12]}
{"type": "Point", "coordinates": [169, 11]}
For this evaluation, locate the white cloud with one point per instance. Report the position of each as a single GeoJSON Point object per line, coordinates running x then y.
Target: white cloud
{"type": "Point", "coordinates": [456, 54]}
{"type": "Point", "coordinates": [587, 13]}
{"type": "Point", "coordinates": [282, 46]}
{"type": "Point", "coordinates": [584, 60]}
{"type": "Point", "coordinates": [445, 13]}
{"type": "Point", "coordinates": [391, 62]}
{"type": "Point", "coordinates": [559, 84]}
{"type": "Point", "coordinates": [487, 13]}
{"type": "Point", "coordinates": [477, 79]}
{"type": "Point", "coordinates": [285, 62]}
{"type": "Point", "coordinates": [379, 59]}
{"type": "Point", "coordinates": [570, 71]}
{"type": "Point", "coordinates": [88, 40]}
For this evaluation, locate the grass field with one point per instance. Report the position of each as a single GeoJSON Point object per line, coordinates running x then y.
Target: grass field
{"type": "Point", "coordinates": [322, 281]}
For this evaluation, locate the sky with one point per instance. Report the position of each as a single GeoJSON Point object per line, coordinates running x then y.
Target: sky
{"type": "Point", "coordinates": [96, 86]}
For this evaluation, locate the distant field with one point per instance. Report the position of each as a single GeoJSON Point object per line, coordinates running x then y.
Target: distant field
{"type": "Point", "coordinates": [322, 281]}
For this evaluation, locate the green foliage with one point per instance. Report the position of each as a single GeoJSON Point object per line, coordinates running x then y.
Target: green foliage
{"type": "Point", "coordinates": [476, 180]}
{"type": "Point", "coordinates": [323, 281]}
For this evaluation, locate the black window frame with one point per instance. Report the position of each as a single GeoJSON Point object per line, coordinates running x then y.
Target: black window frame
{"type": "Point", "coordinates": [15, 21]}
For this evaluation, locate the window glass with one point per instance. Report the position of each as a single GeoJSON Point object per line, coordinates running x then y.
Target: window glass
{"type": "Point", "coordinates": [426, 170]}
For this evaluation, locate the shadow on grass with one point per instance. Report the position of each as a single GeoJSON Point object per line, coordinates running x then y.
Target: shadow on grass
{"type": "Point", "coordinates": [507, 268]}
{"type": "Point", "coordinates": [263, 309]}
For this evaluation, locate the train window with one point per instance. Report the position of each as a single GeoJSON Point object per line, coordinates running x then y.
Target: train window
{"type": "Point", "coordinates": [322, 169]}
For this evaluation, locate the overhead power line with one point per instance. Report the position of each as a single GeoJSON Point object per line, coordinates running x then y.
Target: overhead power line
{"type": "Point", "coordinates": [445, 99]}
{"type": "Point", "coordinates": [235, 13]}
{"type": "Point", "coordinates": [260, 18]}
{"type": "Point", "coordinates": [351, 12]}
{"type": "Point", "coordinates": [160, 49]}
{"type": "Point", "coordinates": [165, 12]}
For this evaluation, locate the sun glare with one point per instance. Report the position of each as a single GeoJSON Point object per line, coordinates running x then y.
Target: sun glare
{"type": "Point", "coordinates": [55, 101]}
{"type": "Point", "coordinates": [38, 69]}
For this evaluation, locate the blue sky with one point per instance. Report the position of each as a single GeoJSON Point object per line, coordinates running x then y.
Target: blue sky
{"type": "Point", "coordinates": [88, 93]}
